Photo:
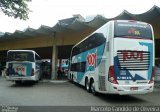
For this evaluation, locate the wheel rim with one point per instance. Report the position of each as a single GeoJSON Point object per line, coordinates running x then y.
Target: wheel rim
{"type": "Point", "coordinates": [93, 88]}
{"type": "Point", "coordinates": [87, 86]}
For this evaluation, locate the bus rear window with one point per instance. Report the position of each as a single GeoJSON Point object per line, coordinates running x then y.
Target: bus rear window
{"type": "Point", "coordinates": [132, 30]}
{"type": "Point", "coordinates": [20, 56]}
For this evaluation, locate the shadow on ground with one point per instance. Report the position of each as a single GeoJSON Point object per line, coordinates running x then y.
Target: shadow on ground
{"type": "Point", "coordinates": [120, 99]}
{"type": "Point", "coordinates": [24, 84]}
{"type": "Point", "coordinates": [117, 99]}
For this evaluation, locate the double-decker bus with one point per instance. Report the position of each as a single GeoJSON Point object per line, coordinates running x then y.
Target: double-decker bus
{"type": "Point", "coordinates": [23, 65]}
{"type": "Point", "coordinates": [118, 58]}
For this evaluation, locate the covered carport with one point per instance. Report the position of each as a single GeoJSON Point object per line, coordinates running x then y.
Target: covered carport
{"type": "Point", "coordinates": [56, 42]}
{"type": "Point", "coordinates": [51, 42]}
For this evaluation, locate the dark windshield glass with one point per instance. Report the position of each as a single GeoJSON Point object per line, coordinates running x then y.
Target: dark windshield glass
{"type": "Point", "coordinates": [20, 56]}
{"type": "Point", "coordinates": [132, 30]}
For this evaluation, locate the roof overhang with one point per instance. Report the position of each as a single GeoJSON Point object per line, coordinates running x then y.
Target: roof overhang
{"type": "Point", "coordinates": [77, 23]}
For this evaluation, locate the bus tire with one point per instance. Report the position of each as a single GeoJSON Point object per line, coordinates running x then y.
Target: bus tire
{"type": "Point", "coordinates": [72, 78]}
{"type": "Point", "coordinates": [18, 82]}
{"type": "Point", "coordinates": [87, 85]}
{"type": "Point", "coordinates": [93, 88]}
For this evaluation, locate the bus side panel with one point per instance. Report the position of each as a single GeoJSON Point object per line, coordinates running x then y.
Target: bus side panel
{"type": "Point", "coordinates": [91, 60]}
{"type": "Point", "coordinates": [38, 70]}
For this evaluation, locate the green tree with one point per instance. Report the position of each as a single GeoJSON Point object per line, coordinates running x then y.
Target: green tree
{"type": "Point", "coordinates": [15, 8]}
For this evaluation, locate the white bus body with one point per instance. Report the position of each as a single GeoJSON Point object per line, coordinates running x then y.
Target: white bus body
{"type": "Point", "coordinates": [23, 65]}
{"type": "Point", "coordinates": [118, 58]}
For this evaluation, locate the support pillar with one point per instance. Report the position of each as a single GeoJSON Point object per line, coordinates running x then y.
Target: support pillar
{"type": "Point", "coordinates": [54, 61]}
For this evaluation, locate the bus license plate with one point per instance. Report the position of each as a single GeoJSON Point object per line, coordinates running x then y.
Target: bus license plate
{"type": "Point", "coordinates": [134, 88]}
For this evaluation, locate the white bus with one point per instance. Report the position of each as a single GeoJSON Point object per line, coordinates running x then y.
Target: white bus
{"type": "Point", "coordinates": [118, 58]}
{"type": "Point", "coordinates": [23, 65]}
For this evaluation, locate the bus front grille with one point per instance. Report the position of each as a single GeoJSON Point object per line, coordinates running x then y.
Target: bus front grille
{"type": "Point", "coordinates": [133, 60]}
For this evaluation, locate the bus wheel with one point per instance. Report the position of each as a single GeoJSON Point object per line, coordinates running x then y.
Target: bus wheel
{"type": "Point", "coordinates": [93, 88]}
{"type": "Point", "coordinates": [87, 86]}
{"type": "Point", "coordinates": [18, 82]}
{"type": "Point", "coordinates": [72, 78]}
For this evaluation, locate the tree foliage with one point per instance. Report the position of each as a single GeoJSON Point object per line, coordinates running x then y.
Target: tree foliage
{"type": "Point", "coordinates": [15, 8]}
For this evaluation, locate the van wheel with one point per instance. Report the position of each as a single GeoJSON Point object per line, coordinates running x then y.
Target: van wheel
{"type": "Point", "coordinates": [87, 86]}
{"type": "Point", "coordinates": [93, 88]}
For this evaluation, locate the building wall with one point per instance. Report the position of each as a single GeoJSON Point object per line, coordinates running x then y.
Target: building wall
{"type": "Point", "coordinates": [156, 27]}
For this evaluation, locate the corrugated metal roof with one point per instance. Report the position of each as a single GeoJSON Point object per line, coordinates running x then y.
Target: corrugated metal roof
{"type": "Point", "coordinates": [77, 23]}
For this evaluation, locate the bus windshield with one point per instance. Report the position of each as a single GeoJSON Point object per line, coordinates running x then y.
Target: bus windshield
{"type": "Point", "coordinates": [132, 30]}
{"type": "Point", "coordinates": [20, 56]}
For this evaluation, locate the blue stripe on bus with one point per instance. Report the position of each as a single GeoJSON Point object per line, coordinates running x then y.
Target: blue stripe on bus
{"type": "Point", "coordinates": [29, 69]}
{"type": "Point", "coordinates": [150, 49]}
{"type": "Point", "coordinates": [99, 50]}
{"type": "Point", "coordinates": [128, 75]}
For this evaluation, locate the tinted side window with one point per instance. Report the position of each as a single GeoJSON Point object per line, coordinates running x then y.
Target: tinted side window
{"type": "Point", "coordinates": [78, 67]}
{"type": "Point", "coordinates": [93, 41]}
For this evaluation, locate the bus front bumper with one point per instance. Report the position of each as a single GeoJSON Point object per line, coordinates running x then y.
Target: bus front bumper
{"type": "Point", "coordinates": [28, 78]}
